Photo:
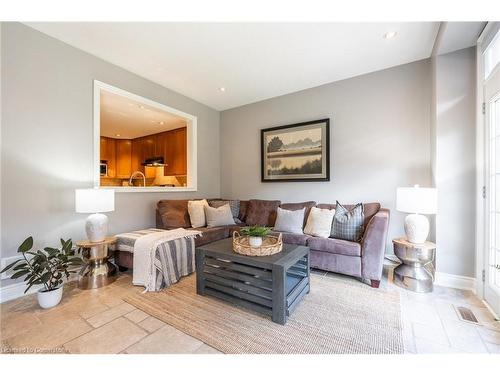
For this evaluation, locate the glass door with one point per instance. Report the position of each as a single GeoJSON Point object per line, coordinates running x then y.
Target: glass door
{"type": "Point", "coordinates": [492, 208]}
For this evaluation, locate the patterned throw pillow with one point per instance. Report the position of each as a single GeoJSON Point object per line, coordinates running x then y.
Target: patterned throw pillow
{"type": "Point", "coordinates": [348, 224]}
{"type": "Point", "coordinates": [233, 204]}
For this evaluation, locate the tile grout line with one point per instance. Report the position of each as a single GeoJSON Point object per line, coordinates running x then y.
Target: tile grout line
{"type": "Point", "coordinates": [94, 329]}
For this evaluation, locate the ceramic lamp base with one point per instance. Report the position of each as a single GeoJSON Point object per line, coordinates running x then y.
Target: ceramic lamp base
{"type": "Point", "coordinates": [96, 227]}
{"type": "Point", "coordinates": [416, 228]}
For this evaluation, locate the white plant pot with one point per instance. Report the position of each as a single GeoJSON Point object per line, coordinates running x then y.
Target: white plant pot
{"type": "Point", "coordinates": [50, 298]}
{"type": "Point", "coordinates": [255, 241]}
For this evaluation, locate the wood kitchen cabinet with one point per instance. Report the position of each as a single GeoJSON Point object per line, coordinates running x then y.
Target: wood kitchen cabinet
{"type": "Point", "coordinates": [149, 151]}
{"type": "Point", "coordinates": [176, 152]}
{"type": "Point", "coordinates": [108, 153]}
{"type": "Point", "coordinates": [136, 156]}
{"type": "Point", "coordinates": [143, 148]}
{"type": "Point", "coordinates": [123, 158]}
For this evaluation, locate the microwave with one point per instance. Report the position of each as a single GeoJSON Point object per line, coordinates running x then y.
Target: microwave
{"type": "Point", "coordinates": [103, 168]}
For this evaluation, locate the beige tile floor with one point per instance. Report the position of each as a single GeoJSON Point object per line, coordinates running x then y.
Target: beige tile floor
{"type": "Point", "coordinates": [432, 325]}
{"type": "Point", "coordinates": [99, 321]}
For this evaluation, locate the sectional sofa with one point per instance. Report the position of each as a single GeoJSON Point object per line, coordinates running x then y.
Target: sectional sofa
{"type": "Point", "coordinates": [363, 259]}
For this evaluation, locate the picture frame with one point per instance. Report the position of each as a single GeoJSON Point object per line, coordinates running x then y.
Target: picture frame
{"type": "Point", "coordinates": [296, 152]}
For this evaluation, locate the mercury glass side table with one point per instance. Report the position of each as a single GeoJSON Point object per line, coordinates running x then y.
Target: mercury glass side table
{"type": "Point", "coordinates": [416, 273]}
{"type": "Point", "coordinates": [98, 270]}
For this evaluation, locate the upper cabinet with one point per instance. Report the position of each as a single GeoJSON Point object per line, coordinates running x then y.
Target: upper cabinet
{"type": "Point", "coordinates": [143, 148]}
{"type": "Point", "coordinates": [108, 153]}
{"type": "Point", "coordinates": [175, 152]}
{"type": "Point", "coordinates": [123, 158]}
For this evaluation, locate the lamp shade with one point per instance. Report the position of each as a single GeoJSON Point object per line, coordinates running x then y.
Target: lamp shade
{"type": "Point", "coordinates": [94, 200]}
{"type": "Point", "coordinates": [416, 200]}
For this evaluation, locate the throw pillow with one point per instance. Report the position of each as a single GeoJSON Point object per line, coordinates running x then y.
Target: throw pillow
{"type": "Point", "coordinates": [297, 206]}
{"type": "Point", "coordinates": [173, 213]}
{"type": "Point", "coordinates": [217, 217]}
{"type": "Point", "coordinates": [319, 222]}
{"type": "Point", "coordinates": [348, 223]}
{"type": "Point", "coordinates": [289, 221]}
{"type": "Point", "coordinates": [233, 204]}
{"type": "Point", "coordinates": [197, 213]}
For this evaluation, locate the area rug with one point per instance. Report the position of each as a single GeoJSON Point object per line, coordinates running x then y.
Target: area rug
{"type": "Point", "coordinates": [338, 316]}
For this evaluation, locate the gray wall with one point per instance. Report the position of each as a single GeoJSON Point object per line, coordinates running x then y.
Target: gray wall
{"type": "Point", "coordinates": [455, 127]}
{"type": "Point", "coordinates": [380, 139]}
{"type": "Point", "coordinates": [47, 148]}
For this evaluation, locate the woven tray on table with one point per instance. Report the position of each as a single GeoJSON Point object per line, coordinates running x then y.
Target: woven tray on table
{"type": "Point", "coordinates": [270, 245]}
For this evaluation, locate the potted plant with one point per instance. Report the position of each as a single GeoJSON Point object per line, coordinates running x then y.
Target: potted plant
{"type": "Point", "coordinates": [47, 267]}
{"type": "Point", "coordinates": [255, 234]}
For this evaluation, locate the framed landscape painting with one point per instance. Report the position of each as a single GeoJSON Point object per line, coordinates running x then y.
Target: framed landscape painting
{"type": "Point", "coordinates": [297, 152]}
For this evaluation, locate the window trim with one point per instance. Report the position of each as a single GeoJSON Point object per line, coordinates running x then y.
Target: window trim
{"type": "Point", "coordinates": [192, 158]}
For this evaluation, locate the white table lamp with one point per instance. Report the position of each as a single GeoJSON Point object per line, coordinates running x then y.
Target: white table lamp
{"type": "Point", "coordinates": [95, 201]}
{"type": "Point", "coordinates": [416, 201]}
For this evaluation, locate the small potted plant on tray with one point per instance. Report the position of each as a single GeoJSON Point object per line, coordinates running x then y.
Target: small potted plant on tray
{"type": "Point", "coordinates": [255, 234]}
{"type": "Point", "coordinates": [47, 267]}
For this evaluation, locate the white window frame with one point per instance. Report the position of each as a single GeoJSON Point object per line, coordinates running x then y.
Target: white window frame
{"type": "Point", "coordinates": [481, 173]}
{"type": "Point", "coordinates": [192, 123]}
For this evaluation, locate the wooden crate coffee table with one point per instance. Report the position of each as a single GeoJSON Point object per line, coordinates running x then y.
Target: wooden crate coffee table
{"type": "Point", "coordinates": [273, 285]}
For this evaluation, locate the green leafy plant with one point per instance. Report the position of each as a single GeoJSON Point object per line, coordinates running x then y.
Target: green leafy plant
{"type": "Point", "coordinates": [48, 266]}
{"type": "Point", "coordinates": [255, 231]}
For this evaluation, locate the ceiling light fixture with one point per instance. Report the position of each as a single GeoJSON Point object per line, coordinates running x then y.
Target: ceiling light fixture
{"type": "Point", "coordinates": [162, 123]}
{"type": "Point", "coordinates": [118, 135]}
{"type": "Point", "coordinates": [390, 34]}
{"type": "Point", "coordinates": [222, 89]}
{"type": "Point", "coordinates": [141, 107]}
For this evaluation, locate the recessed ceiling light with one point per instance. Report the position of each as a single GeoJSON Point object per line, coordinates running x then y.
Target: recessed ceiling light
{"type": "Point", "coordinates": [118, 135]}
{"type": "Point", "coordinates": [390, 34]}
{"type": "Point", "coordinates": [141, 107]}
{"type": "Point", "coordinates": [222, 89]}
{"type": "Point", "coordinates": [162, 123]}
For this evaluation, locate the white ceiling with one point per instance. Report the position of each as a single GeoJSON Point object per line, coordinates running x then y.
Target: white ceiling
{"type": "Point", "coordinates": [127, 119]}
{"type": "Point", "coordinates": [253, 61]}
{"type": "Point", "coordinates": [458, 35]}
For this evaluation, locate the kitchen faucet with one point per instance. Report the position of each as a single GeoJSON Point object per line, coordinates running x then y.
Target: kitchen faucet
{"type": "Point", "coordinates": [137, 173]}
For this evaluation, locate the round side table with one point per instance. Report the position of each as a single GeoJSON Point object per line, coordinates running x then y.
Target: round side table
{"type": "Point", "coordinates": [417, 270]}
{"type": "Point", "coordinates": [98, 271]}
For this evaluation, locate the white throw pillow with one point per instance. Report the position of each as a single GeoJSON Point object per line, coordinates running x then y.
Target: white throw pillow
{"type": "Point", "coordinates": [219, 216]}
{"type": "Point", "coordinates": [289, 221]}
{"type": "Point", "coordinates": [197, 213]}
{"type": "Point", "coordinates": [319, 222]}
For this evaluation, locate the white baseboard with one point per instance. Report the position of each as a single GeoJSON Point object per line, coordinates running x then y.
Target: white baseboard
{"type": "Point", "coordinates": [455, 281]}
{"type": "Point", "coordinates": [13, 291]}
